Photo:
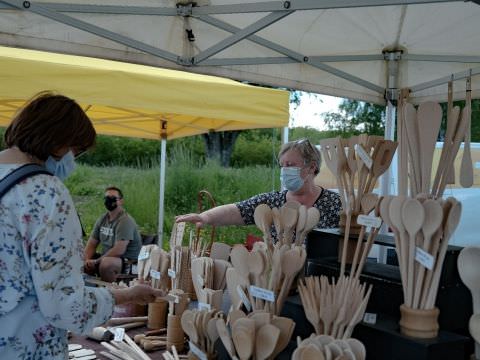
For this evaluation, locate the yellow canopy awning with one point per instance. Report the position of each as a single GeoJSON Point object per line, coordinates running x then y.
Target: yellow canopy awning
{"type": "Point", "coordinates": [133, 100]}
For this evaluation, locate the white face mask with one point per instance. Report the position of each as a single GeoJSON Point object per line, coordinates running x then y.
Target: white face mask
{"type": "Point", "coordinates": [63, 167]}
{"type": "Point", "coordinates": [291, 179]}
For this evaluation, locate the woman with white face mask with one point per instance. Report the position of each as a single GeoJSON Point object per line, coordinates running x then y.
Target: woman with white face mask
{"type": "Point", "coordinates": [42, 291]}
{"type": "Point", "coordinates": [299, 164]}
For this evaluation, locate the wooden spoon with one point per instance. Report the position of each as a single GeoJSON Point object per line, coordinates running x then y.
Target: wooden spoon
{"type": "Point", "coordinates": [413, 215]}
{"type": "Point", "coordinates": [239, 257]}
{"type": "Point", "coordinates": [266, 341]}
{"type": "Point", "coordinates": [286, 327]}
{"type": "Point", "coordinates": [357, 348]}
{"type": "Point", "coordinates": [453, 218]}
{"type": "Point", "coordinates": [433, 220]}
{"type": "Point", "coordinates": [263, 219]}
{"type": "Point", "coordinates": [429, 118]}
{"type": "Point", "coordinates": [225, 337]}
{"type": "Point", "coordinates": [466, 169]}
{"type": "Point", "coordinates": [289, 218]}
{"type": "Point", "coordinates": [474, 328]}
{"type": "Point", "coordinates": [312, 352]}
{"type": "Point", "coordinates": [243, 334]}
{"type": "Point", "coordinates": [468, 261]}
{"type": "Point", "coordinates": [395, 215]}
{"type": "Point", "coordinates": [277, 221]}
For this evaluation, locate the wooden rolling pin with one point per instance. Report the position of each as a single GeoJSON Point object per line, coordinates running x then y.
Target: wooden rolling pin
{"type": "Point", "coordinates": [124, 320]}
{"type": "Point", "coordinates": [152, 345]}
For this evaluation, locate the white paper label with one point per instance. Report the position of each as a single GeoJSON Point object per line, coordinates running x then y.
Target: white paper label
{"type": "Point", "coordinates": [204, 306]}
{"type": "Point", "coordinates": [424, 258]}
{"type": "Point", "coordinates": [144, 254]}
{"type": "Point", "coordinates": [261, 293]}
{"type": "Point", "coordinates": [172, 273]}
{"type": "Point", "coordinates": [200, 281]}
{"type": "Point", "coordinates": [477, 164]}
{"type": "Point", "coordinates": [367, 160]}
{"type": "Point", "coordinates": [155, 274]}
{"type": "Point", "coordinates": [244, 298]}
{"type": "Point", "coordinates": [176, 298]}
{"type": "Point", "coordinates": [369, 221]}
{"type": "Point", "coordinates": [196, 351]}
{"type": "Point", "coordinates": [370, 318]}
{"type": "Point", "coordinates": [118, 333]}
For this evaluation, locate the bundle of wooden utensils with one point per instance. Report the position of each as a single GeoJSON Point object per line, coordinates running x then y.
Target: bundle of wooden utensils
{"type": "Point", "coordinates": [422, 228]}
{"type": "Point", "coordinates": [422, 127]}
{"type": "Point", "coordinates": [123, 347]}
{"type": "Point", "coordinates": [201, 328]}
{"type": "Point", "coordinates": [260, 335]}
{"type": "Point", "coordinates": [356, 163]}
{"type": "Point", "coordinates": [292, 222]}
{"type": "Point", "coordinates": [324, 347]}
{"type": "Point", "coordinates": [209, 280]}
{"type": "Point", "coordinates": [334, 309]}
{"type": "Point", "coordinates": [261, 280]}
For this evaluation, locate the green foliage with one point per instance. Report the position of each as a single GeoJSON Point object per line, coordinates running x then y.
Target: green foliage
{"type": "Point", "coordinates": [356, 117]}
{"type": "Point", "coordinates": [184, 180]}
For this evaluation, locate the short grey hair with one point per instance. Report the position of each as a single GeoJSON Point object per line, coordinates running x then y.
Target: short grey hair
{"type": "Point", "coordinates": [309, 152]}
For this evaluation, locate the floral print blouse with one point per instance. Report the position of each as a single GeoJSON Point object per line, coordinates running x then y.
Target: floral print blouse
{"type": "Point", "coordinates": [42, 291]}
{"type": "Point", "coordinates": [328, 204]}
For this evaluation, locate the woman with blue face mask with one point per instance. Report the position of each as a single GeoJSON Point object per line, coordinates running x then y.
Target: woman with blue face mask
{"type": "Point", "coordinates": [42, 291]}
{"type": "Point", "coordinates": [299, 164]}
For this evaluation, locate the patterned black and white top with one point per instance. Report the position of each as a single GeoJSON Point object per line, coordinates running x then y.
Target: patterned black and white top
{"type": "Point", "coordinates": [328, 203]}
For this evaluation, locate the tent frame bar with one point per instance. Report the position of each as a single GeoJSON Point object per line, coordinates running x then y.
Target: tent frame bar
{"type": "Point", "coordinates": [93, 29]}
{"type": "Point", "coordinates": [444, 80]}
{"type": "Point", "coordinates": [267, 6]}
{"type": "Point", "coordinates": [293, 54]}
{"type": "Point", "coordinates": [240, 35]}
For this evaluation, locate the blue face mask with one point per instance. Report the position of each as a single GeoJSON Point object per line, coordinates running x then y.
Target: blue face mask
{"type": "Point", "coordinates": [290, 178]}
{"type": "Point", "coordinates": [63, 167]}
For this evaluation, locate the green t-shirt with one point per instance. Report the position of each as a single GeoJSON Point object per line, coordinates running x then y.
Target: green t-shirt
{"type": "Point", "coordinates": [123, 227]}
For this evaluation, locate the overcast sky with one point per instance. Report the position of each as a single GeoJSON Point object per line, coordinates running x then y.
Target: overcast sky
{"type": "Point", "coordinates": [310, 110]}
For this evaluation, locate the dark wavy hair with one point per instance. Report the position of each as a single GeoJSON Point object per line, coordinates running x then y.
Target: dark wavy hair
{"type": "Point", "coordinates": [47, 123]}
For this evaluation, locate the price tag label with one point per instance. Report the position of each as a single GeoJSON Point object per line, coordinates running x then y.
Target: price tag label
{"type": "Point", "coordinates": [261, 293]}
{"type": "Point", "coordinates": [196, 351]}
{"type": "Point", "coordinates": [204, 306]}
{"type": "Point", "coordinates": [370, 318]}
{"type": "Point", "coordinates": [144, 254]}
{"type": "Point", "coordinates": [172, 273]}
{"type": "Point", "coordinates": [424, 258]}
{"type": "Point", "coordinates": [244, 298]}
{"type": "Point", "coordinates": [154, 274]}
{"type": "Point", "coordinates": [176, 298]}
{"type": "Point", "coordinates": [118, 333]}
{"type": "Point", "coordinates": [369, 221]}
{"type": "Point", "coordinates": [367, 160]}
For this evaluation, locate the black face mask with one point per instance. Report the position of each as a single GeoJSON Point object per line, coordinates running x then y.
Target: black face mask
{"type": "Point", "coordinates": [110, 202]}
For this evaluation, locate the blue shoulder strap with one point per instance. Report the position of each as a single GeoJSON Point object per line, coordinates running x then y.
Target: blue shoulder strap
{"type": "Point", "coordinates": [20, 174]}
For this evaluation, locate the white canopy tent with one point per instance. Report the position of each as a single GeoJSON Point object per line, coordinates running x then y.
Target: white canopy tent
{"type": "Point", "coordinates": [361, 49]}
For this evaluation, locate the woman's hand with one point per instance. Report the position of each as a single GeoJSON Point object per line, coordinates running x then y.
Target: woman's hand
{"type": "Point", "coordinates": [197, 219]}
{"type": "Point", "coordinates": [140, 294]}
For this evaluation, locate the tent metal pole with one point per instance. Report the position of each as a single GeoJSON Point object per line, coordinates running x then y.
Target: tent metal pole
{"type": "Point", "coordinates": [161, 205]}
{"type": "Point", "coordinates": [387, 180]}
